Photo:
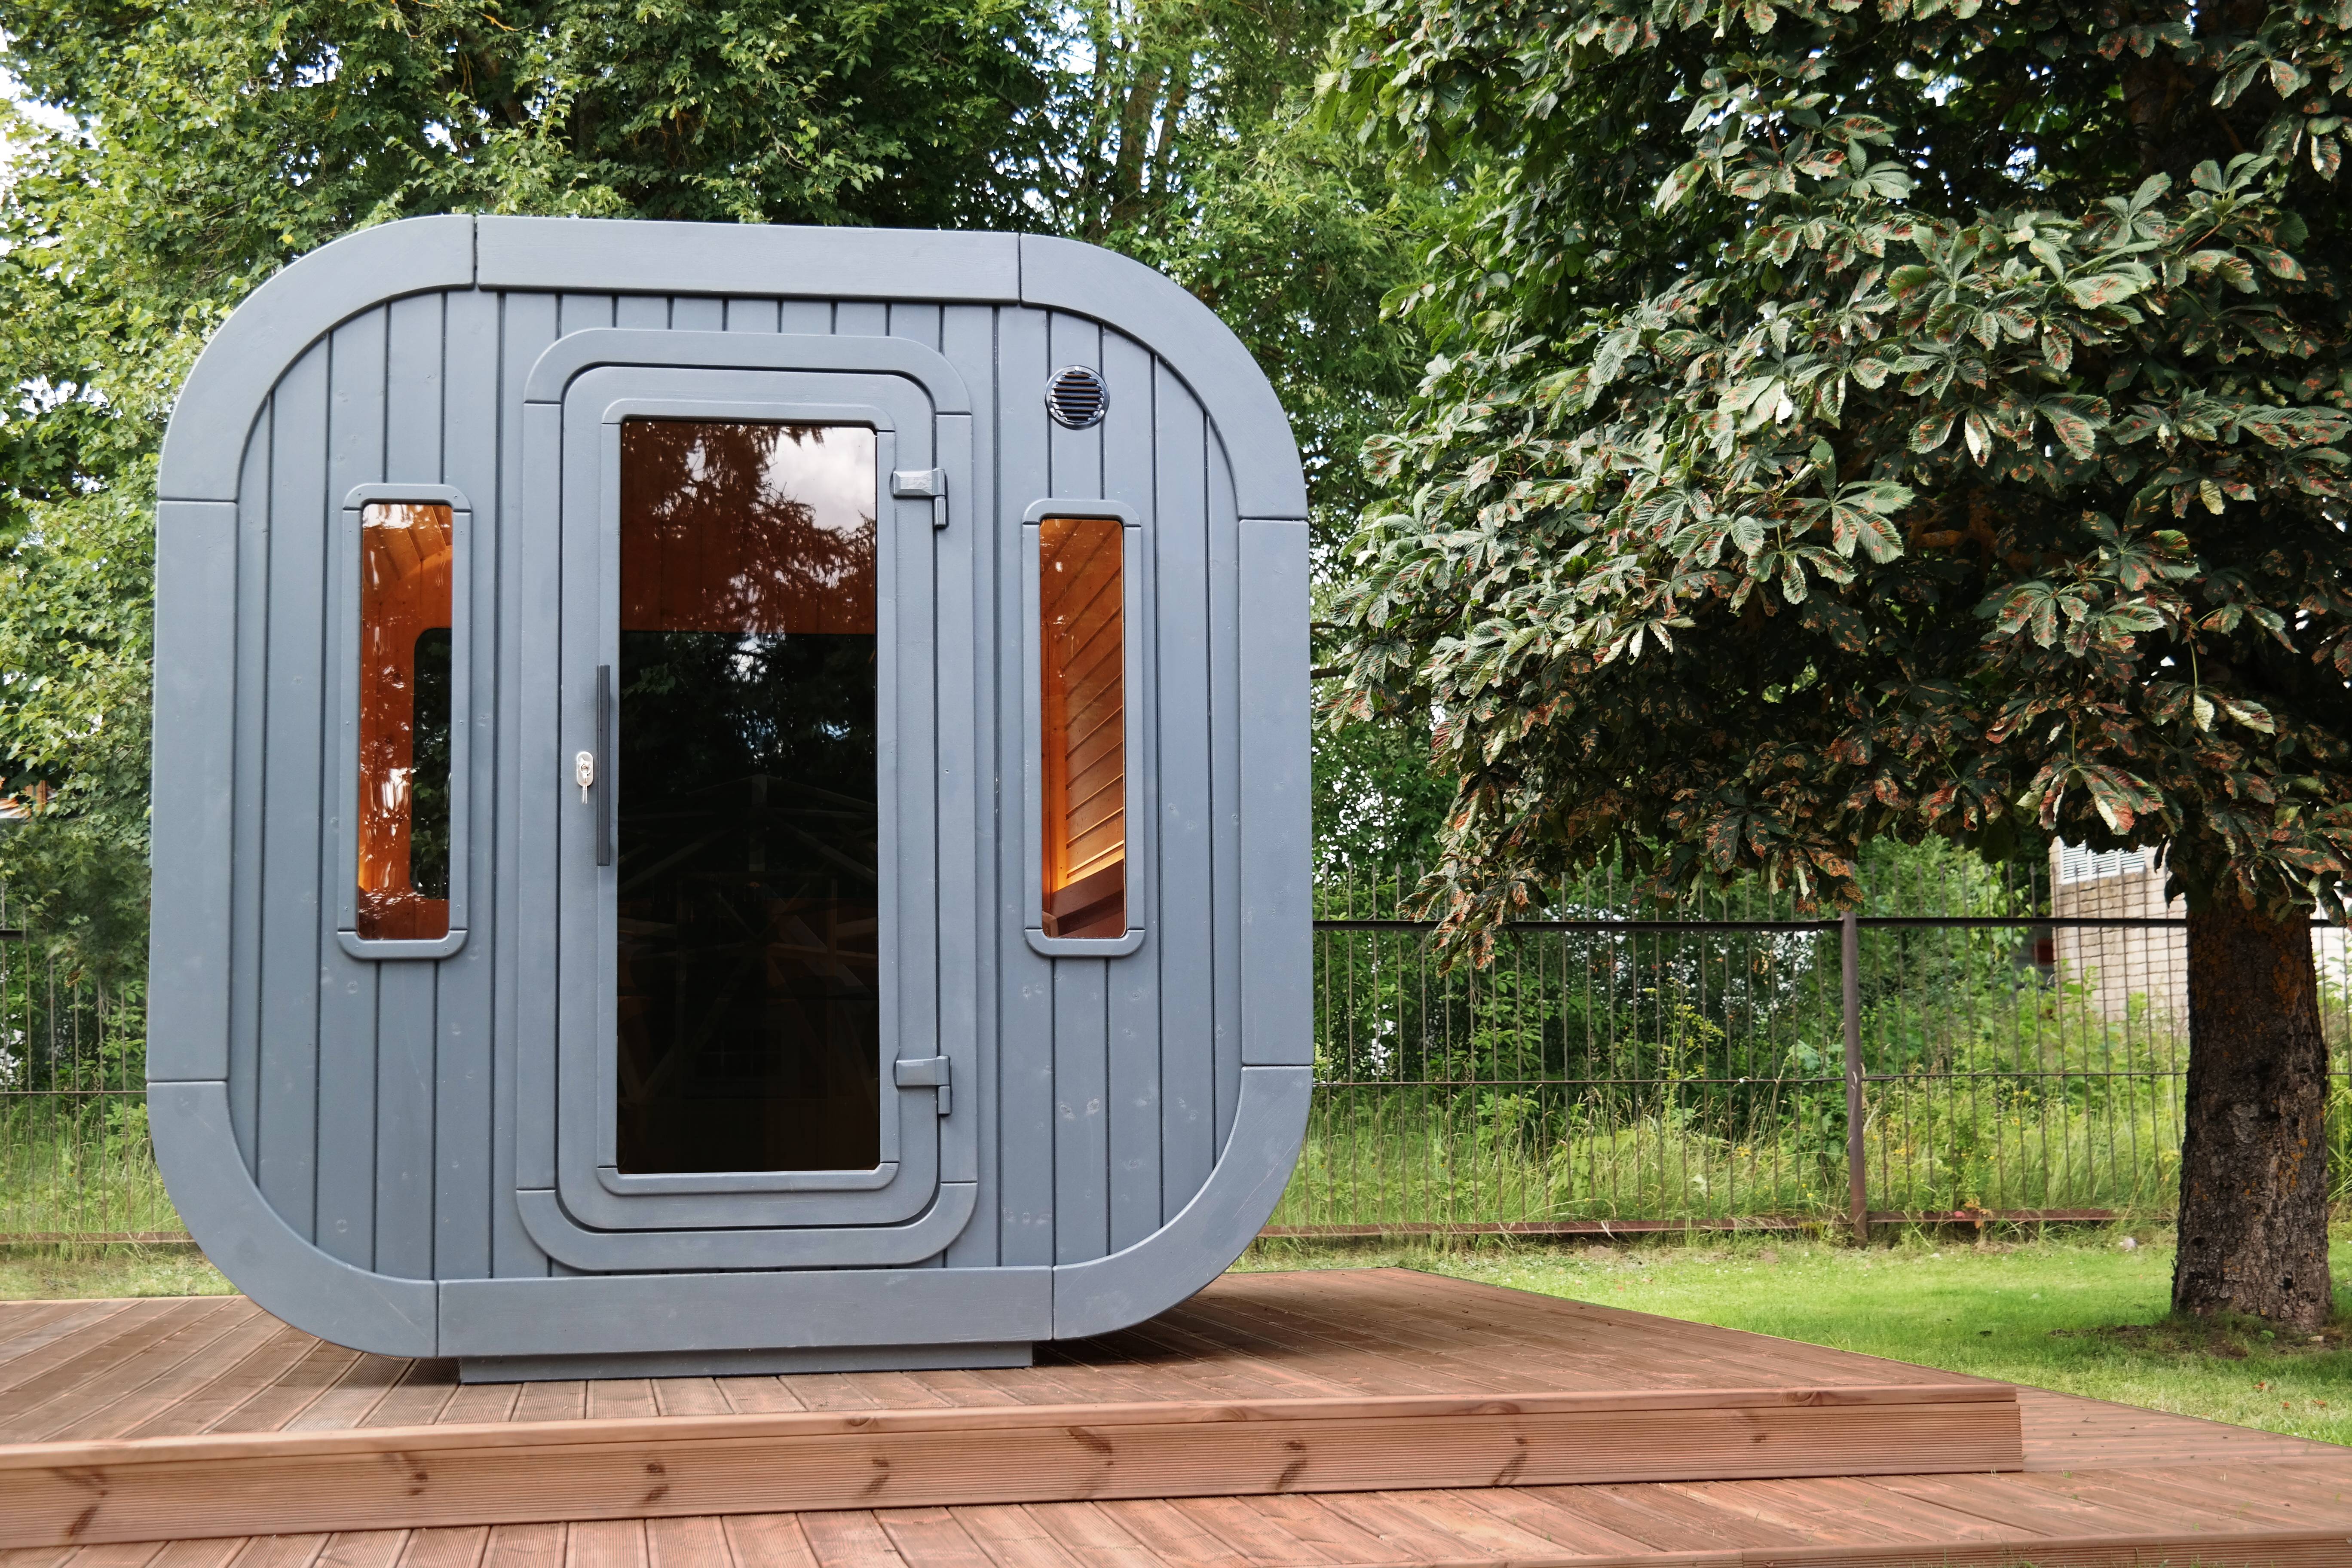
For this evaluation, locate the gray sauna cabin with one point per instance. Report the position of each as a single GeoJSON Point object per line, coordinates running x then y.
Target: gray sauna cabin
{"type": "Point", "coordinates": [726, 798]}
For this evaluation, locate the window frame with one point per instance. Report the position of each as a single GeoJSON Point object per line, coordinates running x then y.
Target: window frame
{"type": "Point", "coordinates": [1136, 623]}
{"type": "Point", "coordinates": [346, 645]}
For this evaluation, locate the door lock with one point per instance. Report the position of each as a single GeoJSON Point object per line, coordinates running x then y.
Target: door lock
{"type": "Point", "coordinates": [583, 773]}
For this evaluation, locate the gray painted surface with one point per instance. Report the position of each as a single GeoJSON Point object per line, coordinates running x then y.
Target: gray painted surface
{"type": "Point", "coordinates": [370, 1144]}
{"type": "Point", "coordinates": [741, 1363]}
{"type": "Point", "coordinates": [607, 1314]}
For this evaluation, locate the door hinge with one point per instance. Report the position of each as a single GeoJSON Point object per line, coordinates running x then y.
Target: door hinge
{"type": "Point", "coordinates": [927, 1072]}
{"type": "Point", "coordinates": [921, 484]}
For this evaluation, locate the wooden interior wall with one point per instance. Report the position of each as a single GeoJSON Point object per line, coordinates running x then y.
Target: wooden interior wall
{"type": "Point", "coordinates": [375, 1103]}
{"type": "Point", "coordinates": [1083, 642]}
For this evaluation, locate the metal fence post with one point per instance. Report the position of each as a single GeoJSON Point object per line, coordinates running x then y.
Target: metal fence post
{"type": "Point", "coordinates": [1857, 1156]}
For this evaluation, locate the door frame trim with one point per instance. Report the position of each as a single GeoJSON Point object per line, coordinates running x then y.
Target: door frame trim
{"type": "Point", "coordinates": [891, 388]}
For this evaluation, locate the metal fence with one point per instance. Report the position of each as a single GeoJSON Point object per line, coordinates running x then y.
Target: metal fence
{"type": "Point", "coordinates": [1983, 1054]}
{"type": "Point", "coordinates": [1968, 1045]}
{"type": "Point", "coordinates": [75, 1162]}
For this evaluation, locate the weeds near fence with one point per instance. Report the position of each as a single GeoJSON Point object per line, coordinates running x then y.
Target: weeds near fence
{"type": "Point", "coordinates": [75, 1159]}
{"type": "Point", "coordinates": [1621, 1063]}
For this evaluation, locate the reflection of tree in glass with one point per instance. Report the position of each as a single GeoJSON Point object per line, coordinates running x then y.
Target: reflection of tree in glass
{"type": "Point", "coordinates": [748, 991]}
{"type": "Point", "coordinates": [428, 833]}
{"type": "Point", "coordinates": [747, 527]}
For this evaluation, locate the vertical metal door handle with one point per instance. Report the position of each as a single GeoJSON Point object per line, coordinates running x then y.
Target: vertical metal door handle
{"type": "Point", "coordinates": [604, 745]}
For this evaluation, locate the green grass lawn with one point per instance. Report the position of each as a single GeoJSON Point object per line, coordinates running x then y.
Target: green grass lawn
{"type": "Point", "coordinates": [34, 1273]}
{"type": "Point", "coordinates": [2068, 1313]}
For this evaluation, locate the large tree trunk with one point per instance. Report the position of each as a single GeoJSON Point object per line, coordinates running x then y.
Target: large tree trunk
{"type": "Point", "coordinates": [2254, 1152]}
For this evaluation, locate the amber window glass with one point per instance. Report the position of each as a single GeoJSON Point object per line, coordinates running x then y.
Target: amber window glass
{"type": "Point", "coordinates": [405, 553]}
{"type": "Point", "coordinates": [749, 982]}
{"type": "Point", "coordinates": [1083, 642]}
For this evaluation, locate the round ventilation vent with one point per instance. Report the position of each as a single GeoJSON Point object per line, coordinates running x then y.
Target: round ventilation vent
{"type": "Point", "coordinates": [1076, 397]}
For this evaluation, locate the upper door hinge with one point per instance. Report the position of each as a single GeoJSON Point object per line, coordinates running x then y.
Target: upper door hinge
{"type": "Point", "coordinates": [921, 484]}
{"type": "Point", "coordinates": [925, 1072]}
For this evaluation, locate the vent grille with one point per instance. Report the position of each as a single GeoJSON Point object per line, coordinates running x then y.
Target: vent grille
{"type": "Point", "coordinates": [1076, 397]}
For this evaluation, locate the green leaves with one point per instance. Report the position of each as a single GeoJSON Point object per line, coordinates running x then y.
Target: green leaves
{"type": "Point", "coordinates": [1931, 432]}
{"type": "Point", "coordinates": [1897, 490]}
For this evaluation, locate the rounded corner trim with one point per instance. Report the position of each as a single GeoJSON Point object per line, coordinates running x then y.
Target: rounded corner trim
{"type": "Point", "coordinates": [262, 1255]}
{"type": "Point", "coordinates": [204, 445]}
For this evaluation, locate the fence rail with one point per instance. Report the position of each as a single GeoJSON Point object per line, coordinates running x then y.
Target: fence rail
{"type": "Point", "coordinates": [1968, 1046]}
{"type": "Point", "coordinates": [75, 1162]}
{"type": "Point", "coordinates": [2002, 1048]}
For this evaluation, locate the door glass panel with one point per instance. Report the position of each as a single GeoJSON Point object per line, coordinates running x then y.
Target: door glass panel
{"type": "Point", "coordinates": [403, 729]}
{"type": "Point", "coordinates": [1083, 639]}
{"type": "Point", "coordinates": [749, 992]}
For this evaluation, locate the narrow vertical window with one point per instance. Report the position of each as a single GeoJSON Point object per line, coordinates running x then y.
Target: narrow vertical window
{"type": "Point", "coordinates": [1083, 641]}
{"type": "Point", "coordinates": [405, 558]}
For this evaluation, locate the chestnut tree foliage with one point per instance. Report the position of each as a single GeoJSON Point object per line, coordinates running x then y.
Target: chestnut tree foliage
{"type": "Point", "coordinates": [1877, 419]}
{"type": "Point", "coordinates": [1867, 418]}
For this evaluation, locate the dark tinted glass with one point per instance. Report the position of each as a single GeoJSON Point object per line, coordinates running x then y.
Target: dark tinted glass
{"type": "Point", "coordinates": [428, 831]}
{"type": "Point", "coordinates": [750, 1001]}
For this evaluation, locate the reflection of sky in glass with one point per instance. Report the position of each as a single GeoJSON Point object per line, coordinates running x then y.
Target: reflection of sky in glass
{"type": "Point", "coordinates": [748, 527]}
{"type": "Point", "coordinates": [834, 479]}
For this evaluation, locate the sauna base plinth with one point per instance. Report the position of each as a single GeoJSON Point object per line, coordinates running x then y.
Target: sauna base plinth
{"type": "Point", "coordinates": [742, 1363]}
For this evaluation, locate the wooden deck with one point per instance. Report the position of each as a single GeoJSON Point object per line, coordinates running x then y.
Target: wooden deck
{"type": "Point", "coordinates": [1255, 1395]}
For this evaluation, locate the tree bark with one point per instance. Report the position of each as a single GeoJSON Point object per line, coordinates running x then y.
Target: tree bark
{"type": "Point", "coordinates": [2254, 1152]}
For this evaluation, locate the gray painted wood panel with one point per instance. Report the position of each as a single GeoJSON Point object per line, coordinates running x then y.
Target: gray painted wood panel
{"type": "Point", "coordinates": [968, 1144]}
{"type": "Point", "coordinates": [1187, 894]}
{"type": "Point", "coordinates": [1277, 912]}
{"type": "Point", "coordinates": [527, 325]}
{"type": "Point", "coordinates": [1081, 1012]}
{"type": "Point", "coordinates": [1081, 1114]}
{"type": "Point", "coordinates": [1132, 983]}
{"type": "Point", "coordinates": [809, 318]}
{"type": "Point", "coordinates": [382, 1106]}
{"type": "Point", "coordinates": [1024, 1071]}
{"type": "Point", "coordinates": [750, 315]}
{"type": "Point", "coordinates": [413, 401]}
{"type": "Point", "coordinates": [245, 804]}
{"type": "Point", "coordinates": [1125, 1149]}
{"type": "Point", "coordinates": [347, 1128]}
{"type": "Point", "coordinates": [293, 695]}
{"type": "Point", "coordinates": [196, 540]}
{"type": "Point", "coordinates": [1224, 784]}
{"type": "Point", "coordinates": [464, 1181]}
{"type": "Point", "coordinates": [696, 314]}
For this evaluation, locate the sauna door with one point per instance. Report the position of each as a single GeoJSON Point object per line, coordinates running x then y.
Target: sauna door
{"type": "Point", "coordinates": [749, 1011]}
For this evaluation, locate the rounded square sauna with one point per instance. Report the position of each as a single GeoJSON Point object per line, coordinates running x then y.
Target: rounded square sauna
{"type": "Point", "coordinates": [729, 798]}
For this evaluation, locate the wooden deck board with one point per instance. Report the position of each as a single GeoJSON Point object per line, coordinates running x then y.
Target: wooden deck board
{"type": "Point", "coordinates": [2103, 1485]}
{"type": "Point", "coordinates": [460, 1547]}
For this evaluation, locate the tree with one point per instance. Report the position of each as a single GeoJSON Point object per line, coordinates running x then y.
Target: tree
{"type": "Point", "coordinates": [1180, 136]}
{"type": "Point", "coordinates": [1182, 140]}
{"type": "Point", "coordinates": [1862, 420]}
{"type": "Point", "coordinates": [204, 146]}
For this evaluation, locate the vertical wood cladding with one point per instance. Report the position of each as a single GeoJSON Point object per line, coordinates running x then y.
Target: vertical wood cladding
{"type": "Point", "coordinates": [377, 1103]}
